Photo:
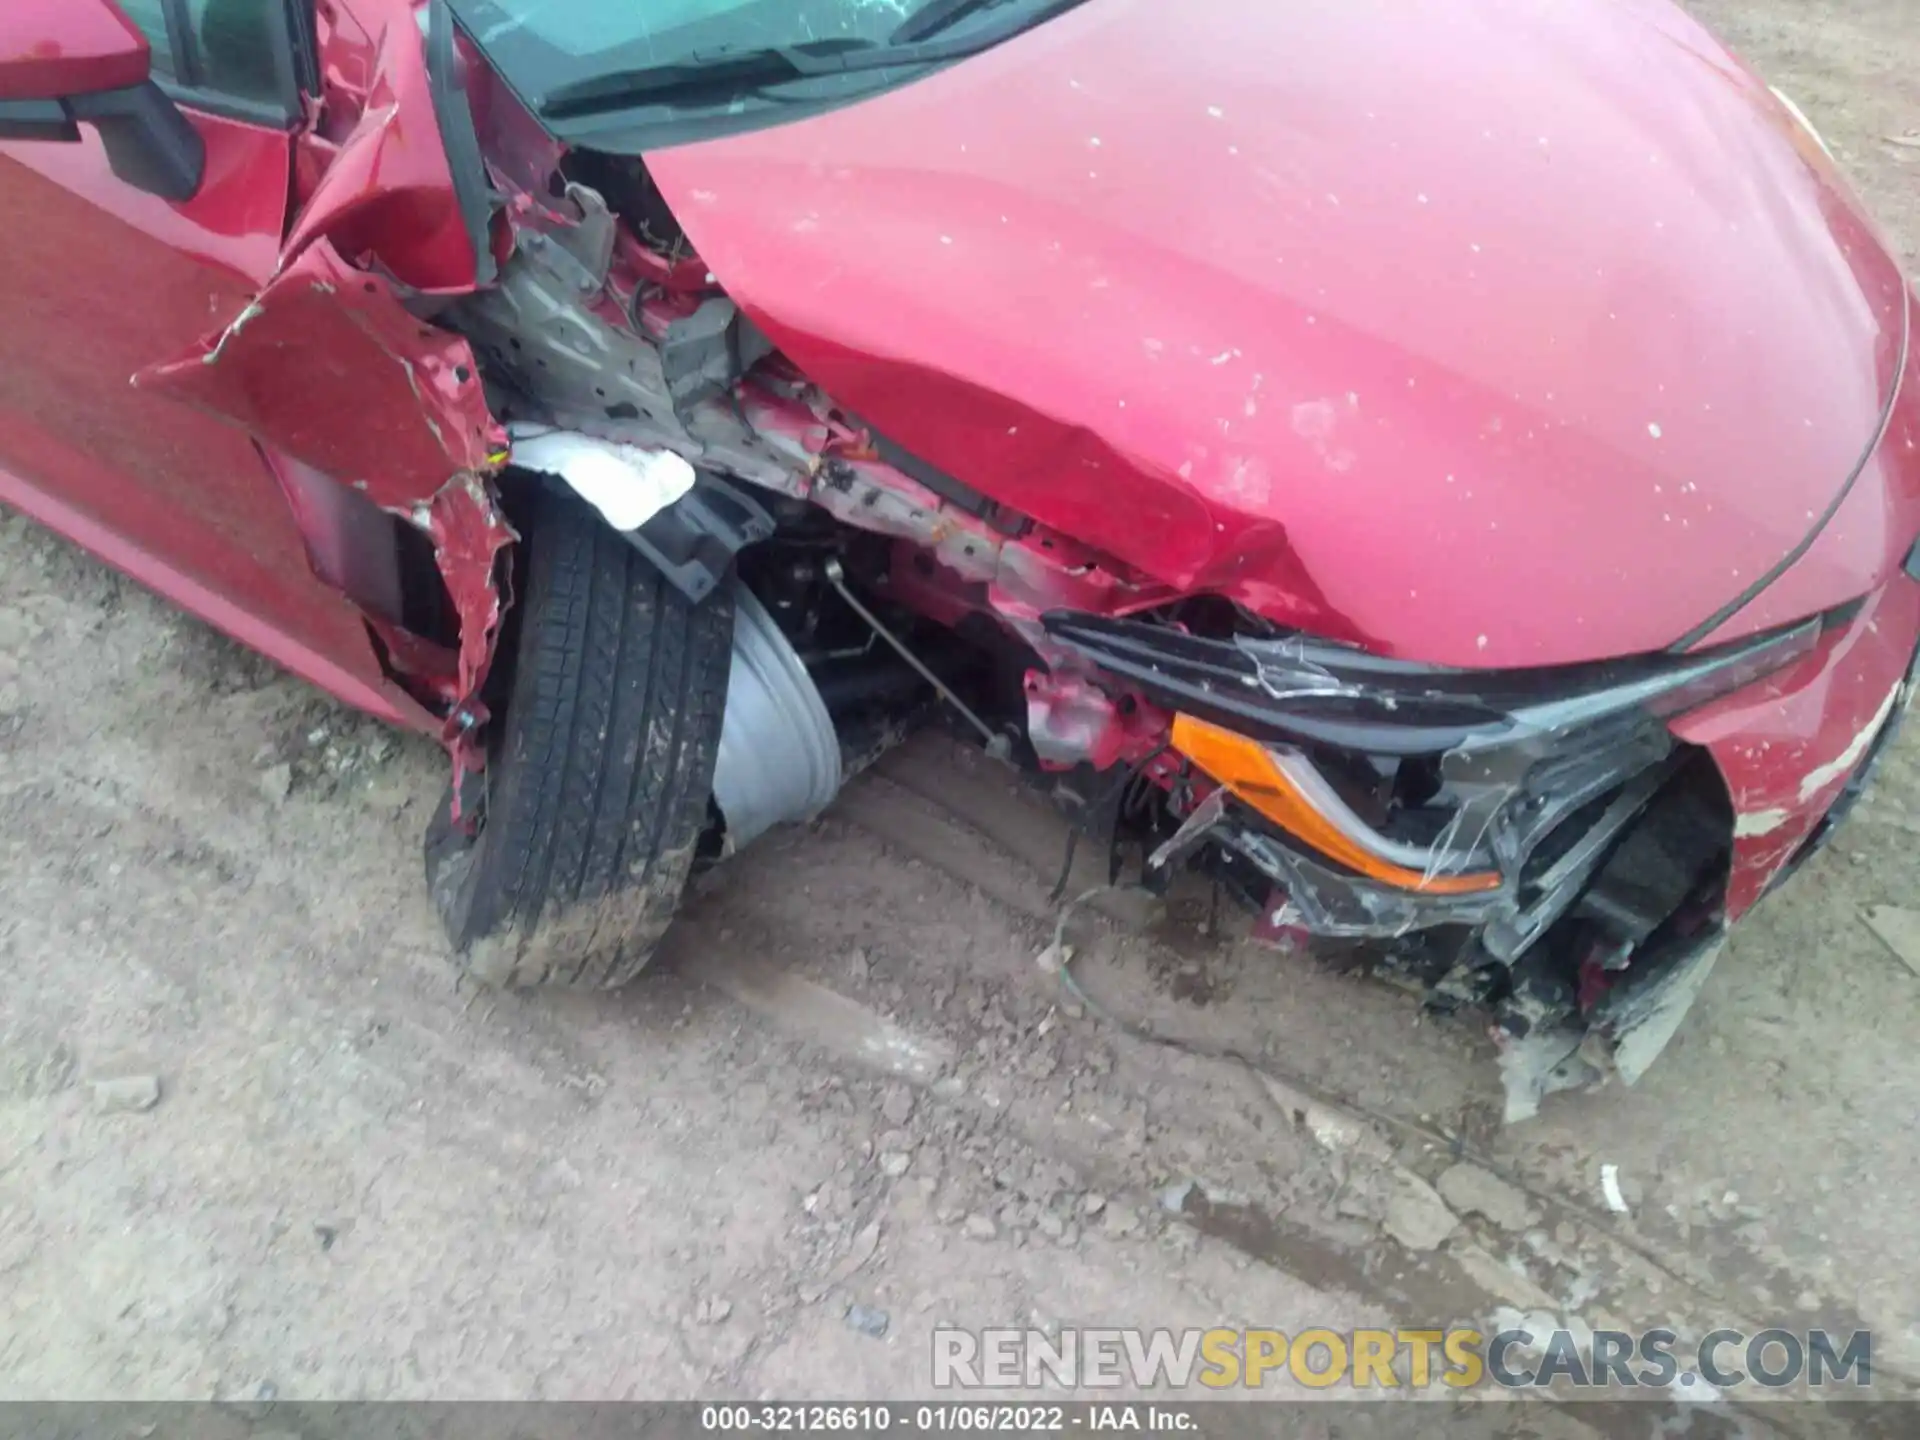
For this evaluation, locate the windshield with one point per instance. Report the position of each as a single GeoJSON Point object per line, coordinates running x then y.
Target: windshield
{"type": "Point", "coordinates": [619, 52]}
{"type": "Point", "coordinates": [587, 35]}
{"type": "Point", "coordinates": [628, 75]}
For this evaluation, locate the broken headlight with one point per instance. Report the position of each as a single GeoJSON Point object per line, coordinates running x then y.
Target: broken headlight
{"type": "Point", "coordinates": [1397, 795]}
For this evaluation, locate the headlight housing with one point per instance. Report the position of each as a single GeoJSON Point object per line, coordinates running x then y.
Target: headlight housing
{"type": "Point", "coordinates": [1283, 784]}
{"type": "Point", "coordinates": [1398, 795]}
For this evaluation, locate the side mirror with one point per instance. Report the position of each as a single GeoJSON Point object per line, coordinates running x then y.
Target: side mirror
{"type": "Point", "coordinates": [53, 49]}
{"type": "Point", "coordinates": [68, 62]}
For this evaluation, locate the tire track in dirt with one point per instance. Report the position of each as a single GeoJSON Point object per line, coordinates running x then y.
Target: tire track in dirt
{"type": "Point", "coordinates": [993, 836]}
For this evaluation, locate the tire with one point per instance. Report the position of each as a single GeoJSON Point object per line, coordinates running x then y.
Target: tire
{"type": "Point", "coordinates": [599, 772]}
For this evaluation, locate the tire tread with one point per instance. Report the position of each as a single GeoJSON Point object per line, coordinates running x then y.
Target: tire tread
{"type": "Point", "coordinates": [599, 784]}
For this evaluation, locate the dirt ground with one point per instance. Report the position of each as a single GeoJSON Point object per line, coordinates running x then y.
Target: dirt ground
{"type": "Point", "coordinates": [847, 1105]}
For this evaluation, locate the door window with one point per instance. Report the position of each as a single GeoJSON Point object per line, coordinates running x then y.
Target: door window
{"type": "Point", "coordinates": [233, 54]}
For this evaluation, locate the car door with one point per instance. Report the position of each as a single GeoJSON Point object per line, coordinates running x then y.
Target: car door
{"type": "Point", "coordinates": [100, 280]}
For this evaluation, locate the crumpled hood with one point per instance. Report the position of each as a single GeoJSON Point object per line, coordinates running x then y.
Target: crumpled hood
{"type": "Point", "coordinates": [1499, 332]}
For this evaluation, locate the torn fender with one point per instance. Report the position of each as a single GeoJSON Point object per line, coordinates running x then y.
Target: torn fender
{"type": "Point", "coordinates": [327, 367]}
{"type": "Point", "coordinates": [469, 532]}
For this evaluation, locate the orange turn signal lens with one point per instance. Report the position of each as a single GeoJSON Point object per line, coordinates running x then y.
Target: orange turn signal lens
{"type": "Point", "coordinates": [1247, 769]}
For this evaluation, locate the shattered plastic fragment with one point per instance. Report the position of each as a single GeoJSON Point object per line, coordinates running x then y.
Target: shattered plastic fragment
{"type": "Point", "coordinates": [628, 485]}
{"type": "Point", "coordinates": [1195, 829]}
{"type": "Point", "coordinates": [1640, 1020]}
{"type": "Point", "coordinates": [1610, 1188]}
{"type": "Point", "coordinates": [1327, 902]}
{"type": "Point", "coordinates": [1298, 679]}
{"type": "Point", "coordinates": [1542, 1063]}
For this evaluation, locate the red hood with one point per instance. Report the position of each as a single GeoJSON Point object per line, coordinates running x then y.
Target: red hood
{"type": "Point", "coordinates": [1499, 332]}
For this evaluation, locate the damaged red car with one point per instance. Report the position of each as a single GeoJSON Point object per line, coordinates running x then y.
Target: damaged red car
{"type": "Point", "coordinates": [1453, 472]}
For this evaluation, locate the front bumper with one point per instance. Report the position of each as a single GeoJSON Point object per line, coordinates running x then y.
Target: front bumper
{"type": "Point", "coordinates": [1621, 835]}
{"type": "Point", "coordinates": [1794, 750]}
{"type": "Point", "coordinates": [1797, 748]}
{"type": "Point", "coordinates": [1617, 873]}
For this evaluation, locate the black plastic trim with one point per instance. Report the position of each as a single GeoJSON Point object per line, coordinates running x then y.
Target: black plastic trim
{"type": "Point", "coordinates": [150, 143]}
{"type": "Point", "coordinates": [1326, 694]}
{"type": "Point", "coordinates": [303, 46]}
{"type": "Point", "coordinates": [472, 191]}
{"type": "Point", "coordinates": [266, 114]}
{"type": "Point", "coordinates": [693, 541]}
{"type": "Point", "coordinates": [43, 120]}
{"type": "Point", "coordinates": [181, 43]}
{"type": "Point", "coordinates": [954, 491]}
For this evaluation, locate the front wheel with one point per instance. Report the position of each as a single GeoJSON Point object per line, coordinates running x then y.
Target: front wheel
{"type": "Point", "coordinates": [598, 775]}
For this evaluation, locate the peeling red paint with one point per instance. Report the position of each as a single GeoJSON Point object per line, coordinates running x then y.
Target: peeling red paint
{"type": "Point", "coordinates": [1776, 741]}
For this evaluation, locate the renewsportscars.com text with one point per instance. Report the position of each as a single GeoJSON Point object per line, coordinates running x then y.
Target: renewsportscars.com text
{"type": "Point", "coordinates": [1456, 1358]}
